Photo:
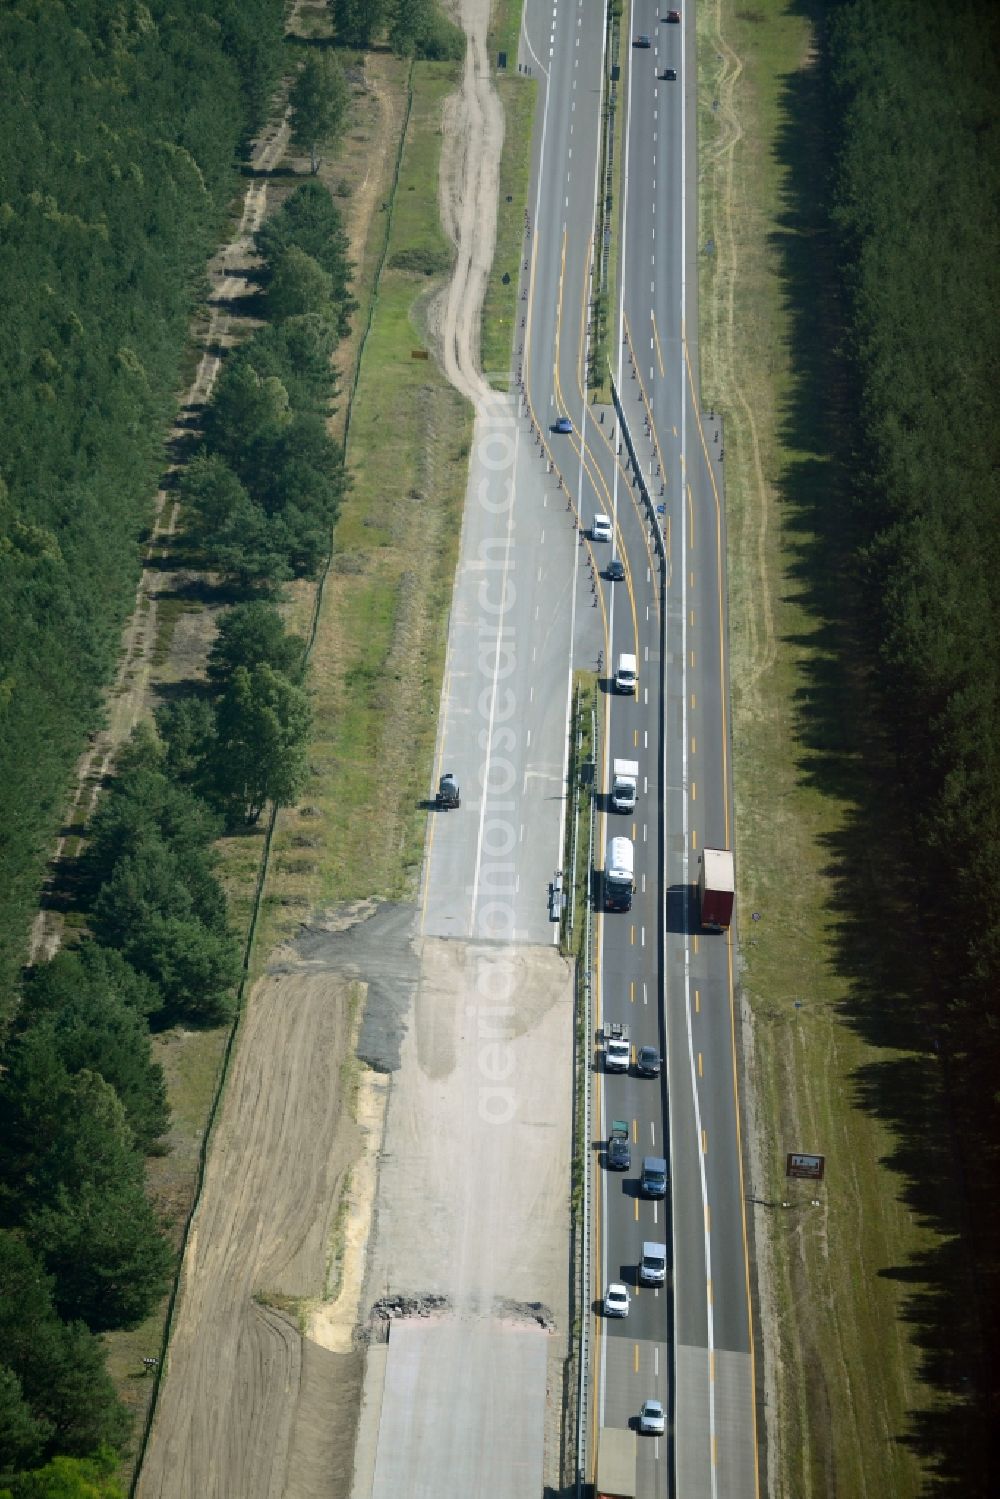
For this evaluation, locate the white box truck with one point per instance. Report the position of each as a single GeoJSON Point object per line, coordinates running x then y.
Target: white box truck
{"type": "Point", "coordinates": [626, 674]}
{"type": "Point", "coordinates": [619, 875]}
{"type": "Point", "coordinates": [625, 785]}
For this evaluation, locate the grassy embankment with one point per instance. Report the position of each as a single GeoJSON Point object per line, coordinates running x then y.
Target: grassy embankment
{"type": "Point", "coordinates": [844, 1375]}
{"type": "Point", "coordinates": [608, 220]}
{"type": "Point", "coordinates": [517, 95]}
{"type": "Point", "coordinates": [577, 890]}
{"type": "Point", "coordinates": [378, 657]}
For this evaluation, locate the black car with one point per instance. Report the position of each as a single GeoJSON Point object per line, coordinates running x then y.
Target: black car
{"type": "Point", "coordinates": [619, 1154]}
{"type": "Point", "coordinates": [647, 1061]}
{"type": "Point", "coordinates": [642, 41]}
{"type": "Point", "coordinates": [669, 73]}
{"type": "Point", "coordinates": [615, 571]}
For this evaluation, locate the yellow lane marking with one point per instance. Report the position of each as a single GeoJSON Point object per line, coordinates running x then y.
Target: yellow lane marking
{"type": "Point", "coordinates": [656, 336]}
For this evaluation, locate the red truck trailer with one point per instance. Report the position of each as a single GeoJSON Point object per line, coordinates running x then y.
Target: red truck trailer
{"type": "Point", "coordinates": [716, 889]}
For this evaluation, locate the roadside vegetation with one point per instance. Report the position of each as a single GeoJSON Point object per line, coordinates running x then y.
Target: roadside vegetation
{"type": "Point", "coordinates": [501, 313]}
{"type": "Point", "coordinates": [118, 147]}
{"type": "Point", "coordinates": [848, 289]}
{"type": "Point", "coordinates": [320, 690]}
{"type": "Point", "coordinates": [119, 160]}
{"type": "Point", "coordinates": [607, 222]}
{"type": "Point", "coordinates": [380, 633]}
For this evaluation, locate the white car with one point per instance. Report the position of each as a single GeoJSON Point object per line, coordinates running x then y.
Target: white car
{"type": "Point", "coordinates": [651, 1421]}
{"type": "Point", "coordinates": [600, 529]}
{"type": "Point", "coordinates": [617, 1300]}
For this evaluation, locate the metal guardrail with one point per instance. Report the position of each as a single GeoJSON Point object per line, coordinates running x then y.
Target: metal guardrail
{"type": "Point", "coordinates": [652, 514]}
{"type": "Point", "coordinates": [586, 1214]}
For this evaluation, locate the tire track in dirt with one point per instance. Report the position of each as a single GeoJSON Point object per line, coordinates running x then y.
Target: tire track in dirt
{"type": "Point", "coordinates": [473, 127]}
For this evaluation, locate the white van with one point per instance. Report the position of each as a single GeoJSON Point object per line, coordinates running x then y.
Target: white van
{"type": "Point", "coordinates": [626, 674]}
{"type": "Point", "coordinates": [653, 1265]}
{"type": "Point", "coordinates": [601, 529]}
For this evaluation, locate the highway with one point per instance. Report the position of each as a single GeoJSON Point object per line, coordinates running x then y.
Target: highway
{"type": "Point", "coordinates": [689, 1345]}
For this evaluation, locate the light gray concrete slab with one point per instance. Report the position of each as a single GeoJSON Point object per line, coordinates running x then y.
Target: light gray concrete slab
{"type": "Point", "coordinates": [693, 1461]}
{"type": "Point", "coordinates": [715, 1425]}
{"type": "Point", "coordinates": [503, 725]}
{"type": "Point", "coordinates": [366, 1441]}
{"type": "Point", "coordinates": [636, 1370]}
{"type": "Point", "coordinates": [435, 1431]}
{"type": "Point", "coordinates": [734, 1424]}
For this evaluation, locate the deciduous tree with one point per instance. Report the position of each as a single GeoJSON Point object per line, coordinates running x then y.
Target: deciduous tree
{"type": "Point", "coordinates": [318, 102]}
{"type": "Point", "coordinates": [263, 726]}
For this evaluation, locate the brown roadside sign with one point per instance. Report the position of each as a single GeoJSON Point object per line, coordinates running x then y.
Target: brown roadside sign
{"type": "Point", "coordinates": [805, 1167]}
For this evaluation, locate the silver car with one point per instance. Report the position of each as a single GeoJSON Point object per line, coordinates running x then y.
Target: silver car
{"type": "Point", "coordinates": [651, 1420]}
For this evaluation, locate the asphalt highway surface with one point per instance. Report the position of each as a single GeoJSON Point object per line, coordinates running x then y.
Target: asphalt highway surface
{"type": "Point", "coordinates": [689, 1343]}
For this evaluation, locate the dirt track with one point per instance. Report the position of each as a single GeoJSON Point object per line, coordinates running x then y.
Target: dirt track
{"type": "Point", "coordinates": [470, 177]}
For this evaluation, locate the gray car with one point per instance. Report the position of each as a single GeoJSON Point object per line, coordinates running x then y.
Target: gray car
{"type": "Point", "coordinates": [647, 1061]}
{"type": "Point", "coordinates": [653, 1181]}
